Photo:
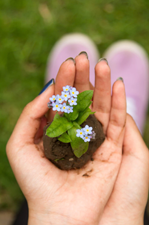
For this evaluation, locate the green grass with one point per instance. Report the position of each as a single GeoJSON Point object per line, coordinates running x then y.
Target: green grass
{"type": "Point", "coordinates": [26, 38]}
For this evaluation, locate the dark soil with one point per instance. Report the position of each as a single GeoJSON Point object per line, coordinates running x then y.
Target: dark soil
{"type": "Point", "coordinates": [61, 154]}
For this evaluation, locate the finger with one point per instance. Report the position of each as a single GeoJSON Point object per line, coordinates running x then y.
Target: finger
{"type": "Point", "coordinates": [65, 76]}
{"type": "Point", "coordinates": [82, 72]}
{"type": "Point", "coordinates": [29, 121]}
{"type": "Point", "coordinates": [102, 93]}
{"type": "Point", "coordinates": [115, 130]}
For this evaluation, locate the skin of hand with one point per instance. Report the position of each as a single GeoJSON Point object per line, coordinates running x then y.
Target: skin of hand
{"type": "Point", "coordinates": [67, 197]}
{"type": "Point", "coordinates": [129, 197]}
{"type": "Point", "coordinates": [127, 202]}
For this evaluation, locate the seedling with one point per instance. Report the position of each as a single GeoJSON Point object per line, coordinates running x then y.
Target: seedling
{"type": "Point", "coordinates": [75, 108]}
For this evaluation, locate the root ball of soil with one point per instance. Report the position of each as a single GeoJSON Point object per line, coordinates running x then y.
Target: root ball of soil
{"type": "Point", "coordinates": [61, 154]}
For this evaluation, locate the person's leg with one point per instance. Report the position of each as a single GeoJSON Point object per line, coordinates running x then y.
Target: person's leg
{"type": "Point", "coordinates": [129, 60]}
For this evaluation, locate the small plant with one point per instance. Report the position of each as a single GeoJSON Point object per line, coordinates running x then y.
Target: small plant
{"type": "Point", "coordinates": [75, 108]}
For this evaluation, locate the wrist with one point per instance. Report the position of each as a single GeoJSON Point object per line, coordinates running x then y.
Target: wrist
{"type": "Point", "coordinates": [39, 218]}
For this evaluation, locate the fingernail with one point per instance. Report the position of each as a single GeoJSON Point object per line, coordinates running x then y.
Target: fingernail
{"type": "Point", "coordinates": [103, 59]}
{"type": "Point", "coordinates": [47, 85]}
{"type": "Point", "coordinates": [70, 58]}
{"type": "Point", "coordinates": [85, 53]}
{"type": "Point", "coordinates": [120, 78]}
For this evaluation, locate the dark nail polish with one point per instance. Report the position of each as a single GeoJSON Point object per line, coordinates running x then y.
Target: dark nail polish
{"type": "Point", "coordinates": [70, 58]}
{"type": "Point", "coordinates": [47, 85]}
{"type": "Point", "coordinates": [120, 78]}
{"type": "Point", "coordinates": [103, 59]}
{"type": "Point", "coordinates": [83, 52]}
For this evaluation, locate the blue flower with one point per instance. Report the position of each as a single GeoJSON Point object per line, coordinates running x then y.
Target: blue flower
{"type": "Point", "coordinates": [66, 88]}
{"type": "Point", "coordinates": [73, 92]}
{"type": "Point", "coordinates": [57, 106]}
{"type": "Point", "coordinates": [65, 95]}
{"type": "Point", "coordinates": [53, 98]}
{"type": "Point", "coordinates": [87, 130]}
{"type": "Point", "coordinates": [64, 108]}
{"type": "Point", "coordinates": [72, 101]}
{"type": "Point", "coordinates": [69, 109]}
{"type": "Point", "coordinates": [80, 133]}
{"type": "Point", "coordinates": [86, 138]}
{"type": "Point", "coordinates": [59, 98]}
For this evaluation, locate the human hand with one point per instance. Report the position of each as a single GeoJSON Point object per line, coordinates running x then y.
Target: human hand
{"type": "Point", "coordinates": [129, 197]}
{"type": "Point", "coordinates": [68, 197]}
{"type": "Point", "coordinates": [127, 202]}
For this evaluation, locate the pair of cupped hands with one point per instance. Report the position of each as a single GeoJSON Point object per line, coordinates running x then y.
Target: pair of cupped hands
{"type": "Point", "coordinates": [115, 192]}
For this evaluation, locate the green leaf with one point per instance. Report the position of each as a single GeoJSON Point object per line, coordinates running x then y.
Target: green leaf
{"type": "Point", "coordinates": [56, 116]}
{"type": "Point", "coordinates": [72, 116]}
{"type": "Point", "coordinates": [84, 115]}
{"type": "Point", "coordinates": [65, 138]}
{"type": "Point", "coordinates": [84, 100]}
{"type": "Point", "coordinates": [78, 145]}
{"type": "Point", "coordinates": [89, 103]}
{"type": "Point", "coordinates": [76, 125]}
{"type": "Point", "coordinates": [58, 127]}
{"type": "Point", "coordinates": [72, 131]}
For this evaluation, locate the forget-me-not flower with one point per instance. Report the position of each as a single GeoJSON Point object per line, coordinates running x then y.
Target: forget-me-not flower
{"type": "Point", "coordinates": [57, 106]}
{"type": "Point", "coordinates": [87, 130]}
{"type": "Point", "coordinates": [53, 98]}
{"type": "Point", "coordinates": [86, 138]}
{"type": "Point", "coordinates": [72, 101]}
{"type": "Point", "coordinates": [65, 95]}
{"type": "Point", "coordinates": [80, 133]}
{"type": "Point", "coordinates": [59, 98]}
{"type": "Point", "coordinates": [69, 109]}
{"type": "Point", "coordinates": [64, 108]}
{"type": "Point", "coordinates": [73, 92]}
{"type": "Point", "coordinates": [66, 88]}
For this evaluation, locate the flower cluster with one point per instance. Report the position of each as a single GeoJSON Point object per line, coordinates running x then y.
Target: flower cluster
{"type": "Point", "coordinates": [65, 101]}
{"type": "Point", "coordinates": [86, 133]}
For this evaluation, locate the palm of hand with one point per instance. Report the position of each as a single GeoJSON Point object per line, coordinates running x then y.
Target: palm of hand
{"type": "Point", "coordinates": [69, 194]}
{"type": "Point", "coordinates": [129, 196]}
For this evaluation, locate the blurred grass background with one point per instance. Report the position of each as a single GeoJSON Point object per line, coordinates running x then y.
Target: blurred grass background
{"type": "Point", "coordinates": [28, 30]}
